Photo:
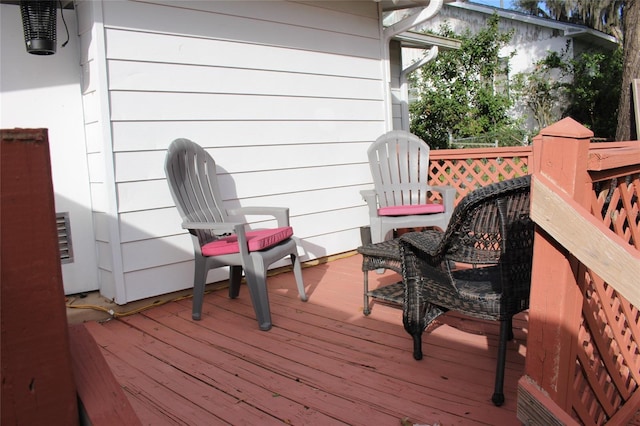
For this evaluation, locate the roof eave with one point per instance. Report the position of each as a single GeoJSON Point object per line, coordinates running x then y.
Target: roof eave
{"type": "Point", "coordinates": [412, 39]}
{"type": "Point", "coordinates": [568, 29]}
{"type": "Point", "coordinates": [391, 5]}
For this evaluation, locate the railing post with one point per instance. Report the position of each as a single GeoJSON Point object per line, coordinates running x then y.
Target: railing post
{"type": "Point", "coordinates": [560, 155]}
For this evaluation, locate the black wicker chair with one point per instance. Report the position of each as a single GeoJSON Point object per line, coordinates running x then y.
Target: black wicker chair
{"type": "Point", "coordinates": [379, 256]}
{"type": "Point", "coordinates": [491, 232]}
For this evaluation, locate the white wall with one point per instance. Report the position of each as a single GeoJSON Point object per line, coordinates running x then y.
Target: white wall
{"type": "Point", "coordinates": [286, 96]}
{"type": "Point", "coordinates": [44, 92]}
{"type": "Point", "coordinates": [529, 44]}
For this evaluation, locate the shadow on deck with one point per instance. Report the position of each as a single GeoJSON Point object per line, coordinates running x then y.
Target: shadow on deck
{"type": "Point", "coordinates": [323, 362]}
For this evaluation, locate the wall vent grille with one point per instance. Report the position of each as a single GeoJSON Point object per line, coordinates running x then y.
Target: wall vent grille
{"type": "Point", "coordinates": [64, 237]}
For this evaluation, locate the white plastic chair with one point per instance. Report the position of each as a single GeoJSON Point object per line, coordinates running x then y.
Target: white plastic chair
{"type": "Point", "coordinates": [399, 163]}
{"type": "Point", "coordinates": [218, 240]}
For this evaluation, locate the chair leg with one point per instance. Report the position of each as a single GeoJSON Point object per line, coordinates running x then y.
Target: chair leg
{"type": "Point", "coordinates": [235, 278]}
{"type": "Point", "coordinates": [416, 326]}
{"type": "Point", "coordinates": [297, 273]}
{"type": "Point", "coordinates": [510, 325]}
{"type": "Point", "coordinates": [260, 301]}
{"type": "Point", "coordinates": [498, 393]}
{"type": "Point", "coordinates": [417, 346]}
{"type": "Point", "coordinates": [199, 278]}
{"type": "Point", "coordinates": [366, 309]}
{"type": "Point", "coordinates": [256, 276]}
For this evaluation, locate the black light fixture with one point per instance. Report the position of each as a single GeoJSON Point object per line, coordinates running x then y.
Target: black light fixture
{"type": "Point", "coordinates": [39, 24]}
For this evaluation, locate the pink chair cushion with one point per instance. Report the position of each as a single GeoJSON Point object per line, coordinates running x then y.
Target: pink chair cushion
{"type": "Point", "coordinates": [259, 239]}
{"type": "Point", "coordinates": [411, 210]}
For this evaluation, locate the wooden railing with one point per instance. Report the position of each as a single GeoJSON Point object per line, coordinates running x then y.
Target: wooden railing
{"type": "Point", "coordinates": [583, 350]}
{"type": "Point", "coordinates": [469, 169]}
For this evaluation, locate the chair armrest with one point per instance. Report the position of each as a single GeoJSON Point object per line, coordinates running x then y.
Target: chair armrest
{"type": "Point", "coordinates": [371, 198]}
{"type": "Point", "coordinates": [448, 196]}
{"type": "Point", "coordinates": [427, 243]}
{"type": "Point", "coordinates": [417, 312]}
{"type": "Point", "coordinates": [281, 214]}
{"type": "Point", "coordinates": [218, 228]}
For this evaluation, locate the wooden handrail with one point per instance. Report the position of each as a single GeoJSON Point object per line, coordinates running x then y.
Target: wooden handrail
{"type": "Point", "coordinates": [613, 155]}
{"type": "Point", "coordinates": [586, 238]}
{"type": "Point", "coordinates": [583, 322]}
{"type": "Point", "coordinates": [466, 153]}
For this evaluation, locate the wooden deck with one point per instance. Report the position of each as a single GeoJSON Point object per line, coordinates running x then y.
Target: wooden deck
{"type": "Point", "coordinates": [322, 363]}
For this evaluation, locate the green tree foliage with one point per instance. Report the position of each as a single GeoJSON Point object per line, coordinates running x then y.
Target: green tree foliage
{"type": "Point", "coordinates": [540, 90]}
{"type": "Point", "coordinates": [615, 17]}
{"type": "Point", "coordinates": [602, 15]}
{"type": "Point", "coordinates": [586, 88]}
{"type": "Point", "coordinates": [595, 91]}
{"type": "Point", "coordinates": [457, 90]}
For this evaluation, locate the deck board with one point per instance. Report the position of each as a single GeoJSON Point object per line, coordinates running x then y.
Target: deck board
{"type": "Point", "coordinates": [323, 362]}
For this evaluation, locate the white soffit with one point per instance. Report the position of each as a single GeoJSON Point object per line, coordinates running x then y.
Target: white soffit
{"type": "Point", "coordinates": [415, 40]}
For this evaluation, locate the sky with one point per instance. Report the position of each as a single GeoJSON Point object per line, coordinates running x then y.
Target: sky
{"type": "Point", "coordinates": [507, 4]}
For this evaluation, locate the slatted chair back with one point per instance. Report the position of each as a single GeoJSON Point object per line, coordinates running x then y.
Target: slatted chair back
{"type": "Point", "coordinates": [399, 163]}
{"type": "Point", "coordinates": [193, 182]}
{"type": "Point", "coordinates": [402, 196]}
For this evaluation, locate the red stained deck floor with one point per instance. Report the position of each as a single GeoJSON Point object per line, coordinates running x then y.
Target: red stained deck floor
{"type": "Point", "coordinates": [322, 363]}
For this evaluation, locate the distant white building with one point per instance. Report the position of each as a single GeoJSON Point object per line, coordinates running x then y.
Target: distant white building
{"type": "Point", "coordinates": [533, 37]}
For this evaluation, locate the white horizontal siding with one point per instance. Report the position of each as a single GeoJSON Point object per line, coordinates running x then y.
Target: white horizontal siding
{"type": "Point", "coordinates": [101, 231]}
{"type": "Point", "coordinates": [89, 68]}
{"type": "Point", "coordinates": [145, 47]}
{"type": "Point", "coordinates": [96, 165]}
{"type": "Point", "coordinates": [286, 96]}
{"type": "Point", "coordinates": [354, 18]}
{"type": "Point", "coordinates": [309, 202]}
{"type": "Point", "coordinates": [230, 160]}
{"type": "Point", "coordinates": [245, 185]}
{"type": "Point", "coordinates": [98, 197]}
{"type": "Point", "coordinates": [201, 106]}
{"type": "Point", "coordinates": [128, 165]}
{"type": "Point", "coordinates": [179, 276]}
{"type": "Point", "coordinates": [161, 222]}
{"type": "Point", "coordinates": [328, 222]}
{"type": "Point", "coordinates": [108, 287]}
{"type": "Point", "coordinates": [242, 27]}
{"type": "Point", "coordinates": [91, 107]}
{"type": "Point", "coordinates": [146, 224]}
{"type": "Point", "coordinates": [136, 76]}
{"type": "Point", "coordinates": [165, 279]}
{"type": "Point", "coordinates": [152, 194]}
{"type": "Point", "coordinates": [334, 243]}
{"type": "Point", "coordinates": [93, 138]}
{"type": "Point", "coordinates": [146, 136]}
{"type": "Point", "coordinates": [105, 258]}
{"type": "Point", "coordinates": [359, 8]}
{"type": "Point", "coordinates": [156, 252]}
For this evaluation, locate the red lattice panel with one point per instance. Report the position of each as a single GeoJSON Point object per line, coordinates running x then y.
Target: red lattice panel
{"type": "Point", "coordinates": [616, 203]}
{"type": "Point", "coordinates": [468, 174]}
{"type": "Point", "coordinates": [607, 368]}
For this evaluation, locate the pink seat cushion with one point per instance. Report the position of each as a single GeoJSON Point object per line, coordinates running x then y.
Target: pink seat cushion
{"type": "Point", "coordinates": [259, 239]}
{"type": "Point", "coordinates": [411, 210]}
